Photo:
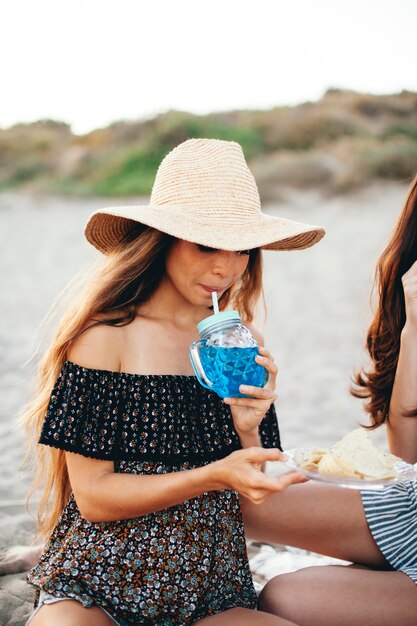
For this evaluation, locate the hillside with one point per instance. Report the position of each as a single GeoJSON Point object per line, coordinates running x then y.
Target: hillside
{"type": "Point", "coordinates": [339, 143]}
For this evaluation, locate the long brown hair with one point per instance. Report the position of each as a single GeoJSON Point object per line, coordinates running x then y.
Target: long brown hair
{"type": "Point", "coordinates": [383, 337]}
{"type": "Point", "coordinates": [108, 293]}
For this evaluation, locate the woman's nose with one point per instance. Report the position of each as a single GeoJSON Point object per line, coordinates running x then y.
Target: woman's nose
{"type": "Point", "coordinates": [224, 263]}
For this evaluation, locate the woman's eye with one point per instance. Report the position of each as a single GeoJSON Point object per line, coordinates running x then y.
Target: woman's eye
{"type": "Point", "coordinates": [209, 250]}
{"type": "Point", "coordinates": [206, 248]}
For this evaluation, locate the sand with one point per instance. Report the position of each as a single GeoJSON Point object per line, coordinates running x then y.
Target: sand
{"type": "Point", "coordinates": [318, 311]}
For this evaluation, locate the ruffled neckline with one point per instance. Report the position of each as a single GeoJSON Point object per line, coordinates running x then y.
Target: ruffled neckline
{"type": "Point", "coordinates": [191, 377]}
{"type": "Point", "coordinates": [106, 414]}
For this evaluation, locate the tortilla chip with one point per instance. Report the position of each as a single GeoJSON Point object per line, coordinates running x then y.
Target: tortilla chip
{"type": "Point", "coordinates": [354, 456]}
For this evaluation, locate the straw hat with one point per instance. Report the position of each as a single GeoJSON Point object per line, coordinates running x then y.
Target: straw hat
{"type": "Point", "coordinates": [204, 192]}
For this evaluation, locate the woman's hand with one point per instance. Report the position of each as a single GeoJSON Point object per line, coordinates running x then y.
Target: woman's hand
{"type": "Point", "coordinates": [242, 471]}
{"type": "Point", "coordinates": [248, 413]}
{"type": "Point", "coordinates": [409, 280]}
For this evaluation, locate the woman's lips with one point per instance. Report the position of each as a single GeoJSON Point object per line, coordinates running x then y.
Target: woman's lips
{"type": "Point", "coordinates": [212, 289]}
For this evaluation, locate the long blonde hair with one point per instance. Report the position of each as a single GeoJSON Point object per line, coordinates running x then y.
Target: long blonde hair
{"type": "Point", "coordinates": [108, 293]}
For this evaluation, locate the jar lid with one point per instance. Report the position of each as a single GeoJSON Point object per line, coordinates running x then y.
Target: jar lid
{"type": "Point", "coordinates": [213, 320]}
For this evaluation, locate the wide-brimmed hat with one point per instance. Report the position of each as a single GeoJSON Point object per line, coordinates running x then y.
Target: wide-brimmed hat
{"type": "Point", "coordinates": [204, 192]}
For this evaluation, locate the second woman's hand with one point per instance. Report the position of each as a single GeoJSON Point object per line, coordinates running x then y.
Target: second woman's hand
{"type": "Point", "coordinates": [242, 471]}
{"type": "Point", "coordinates": [249, 411]}
{"type": "Point", "coordinates": [409, 282]}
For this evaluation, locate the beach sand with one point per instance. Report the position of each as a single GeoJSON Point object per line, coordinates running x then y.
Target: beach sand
{"type": "Point", "coordinates": [318, 311]}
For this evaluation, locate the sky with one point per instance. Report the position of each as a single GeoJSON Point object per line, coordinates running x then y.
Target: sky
{"type": "Point", "coordinates": [93, 62]}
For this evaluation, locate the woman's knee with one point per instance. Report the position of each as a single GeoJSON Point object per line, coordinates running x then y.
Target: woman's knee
{"type": "Point", "coordinates": [278, 593]}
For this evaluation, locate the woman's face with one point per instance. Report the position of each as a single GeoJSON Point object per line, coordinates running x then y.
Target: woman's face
{"type": "Point", "coordinates": [196, 271]}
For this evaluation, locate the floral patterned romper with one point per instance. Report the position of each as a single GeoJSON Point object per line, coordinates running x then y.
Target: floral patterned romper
{"type": "Point", "coordinates": [169, 568]}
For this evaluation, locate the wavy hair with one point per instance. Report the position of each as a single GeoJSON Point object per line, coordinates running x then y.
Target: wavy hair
{"type": "Point", "coordinates": [384, 332]}
{"type": "Point", "coordinates": [107, 293]}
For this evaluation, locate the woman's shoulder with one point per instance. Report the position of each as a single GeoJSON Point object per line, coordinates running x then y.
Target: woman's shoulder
{"type": "Point", "coordinates": [98, 346]}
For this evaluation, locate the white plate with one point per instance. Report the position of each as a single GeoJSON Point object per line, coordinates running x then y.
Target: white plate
{"type": "Point", "coordinates": [405, 470]}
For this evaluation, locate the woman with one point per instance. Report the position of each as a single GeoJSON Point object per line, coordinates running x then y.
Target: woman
{"type": "Point", "coordinates": [145, 465]}
{"type": "Point", "coordinates": [375, 530]}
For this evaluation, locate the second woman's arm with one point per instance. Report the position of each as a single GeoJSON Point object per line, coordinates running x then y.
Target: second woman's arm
{"type": "Point", "coordinates": [401, 429]}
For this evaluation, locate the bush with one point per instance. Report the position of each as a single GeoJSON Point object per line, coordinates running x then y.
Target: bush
{"type": "Point", "coordinates": [289, 169]}
{"type": "Point", "coordinates": [27, 170]}
{"type": "Point", "coordinates": [177, 126]}
{"type": "Point", "coordinates": [408, 128]}
{"type": "Point", "coordinates": [363, 161]}
{"type": "Point", "coordinates": [306, 128]}
{"type": "Point", "coordinates": [396, 105]}
{"type": "Point", "coordinates": [131, 174]}
{"type": "Point", "coordinates": [393, 160]}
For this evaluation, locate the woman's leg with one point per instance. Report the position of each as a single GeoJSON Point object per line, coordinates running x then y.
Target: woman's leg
{"type": "Point", "coordinates": [70, 613]}
{"type": "Point", "coordinates": [338, 595]}
{"type": "Point", "coordinates": [243, 617]}
{"type": "Point", "coordinates": [324, 519]}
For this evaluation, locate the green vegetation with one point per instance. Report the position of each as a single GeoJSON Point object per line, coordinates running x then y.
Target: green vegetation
{"type": "Point", "coordinates": [342, 142]}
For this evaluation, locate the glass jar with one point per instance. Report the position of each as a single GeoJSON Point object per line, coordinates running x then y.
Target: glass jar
{"type": "Point", "coordinates": [224, 357]}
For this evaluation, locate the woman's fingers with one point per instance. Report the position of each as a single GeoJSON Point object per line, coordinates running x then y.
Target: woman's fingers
{"type": "Point", "coordinates": [292, 478]}
{"type": "Point", "coordinates": [410, 286]}
{"type": "Point", "coordinates": [411, 272]}
{"type": "Point", "coordinates": [268, 364]}
{"type": "Point", "coordinates": [264, 352]}
{"type": "Point", "coordinates": [409, 282]}
{"type": "Point", "coordinates": [265, 359]}
{"type": "Point", "coordinates": [242, 471]}
{"type": "Point", "coordinates": [252, 403]}
{"type": "Point", "coordinates": [257, 454]}
{"type": "Point", "coordinates": [255, 397]}
{"type": "Point", "coordinates": [268, 485]}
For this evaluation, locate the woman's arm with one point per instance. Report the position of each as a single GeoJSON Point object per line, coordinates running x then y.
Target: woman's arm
{"type": "Point", "coordinates": [402, 430]}
{"type": "Point", "coordinates": [103, 495]}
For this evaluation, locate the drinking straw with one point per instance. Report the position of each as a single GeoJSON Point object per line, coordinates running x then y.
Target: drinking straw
{"type": "Point", "coordinates": [215, 303]}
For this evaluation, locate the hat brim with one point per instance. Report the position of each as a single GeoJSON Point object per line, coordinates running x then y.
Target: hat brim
{"type": "Point", "coordinates": [107, 227]}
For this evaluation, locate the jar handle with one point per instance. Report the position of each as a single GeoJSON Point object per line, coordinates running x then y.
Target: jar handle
{"type": "Point", "coordinates": [195, 359]}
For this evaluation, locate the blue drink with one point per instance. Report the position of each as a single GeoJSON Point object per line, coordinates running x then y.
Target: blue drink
{"type": "Point", "coordinates": [224, 357]}
{"type": "Point", "coordinates": [228, 368]}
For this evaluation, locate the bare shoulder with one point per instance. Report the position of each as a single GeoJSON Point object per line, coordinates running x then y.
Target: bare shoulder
{"type": "Point", "coordinates": [256, 333]}
{"type": "Point", "coordinates": [97, 347]}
